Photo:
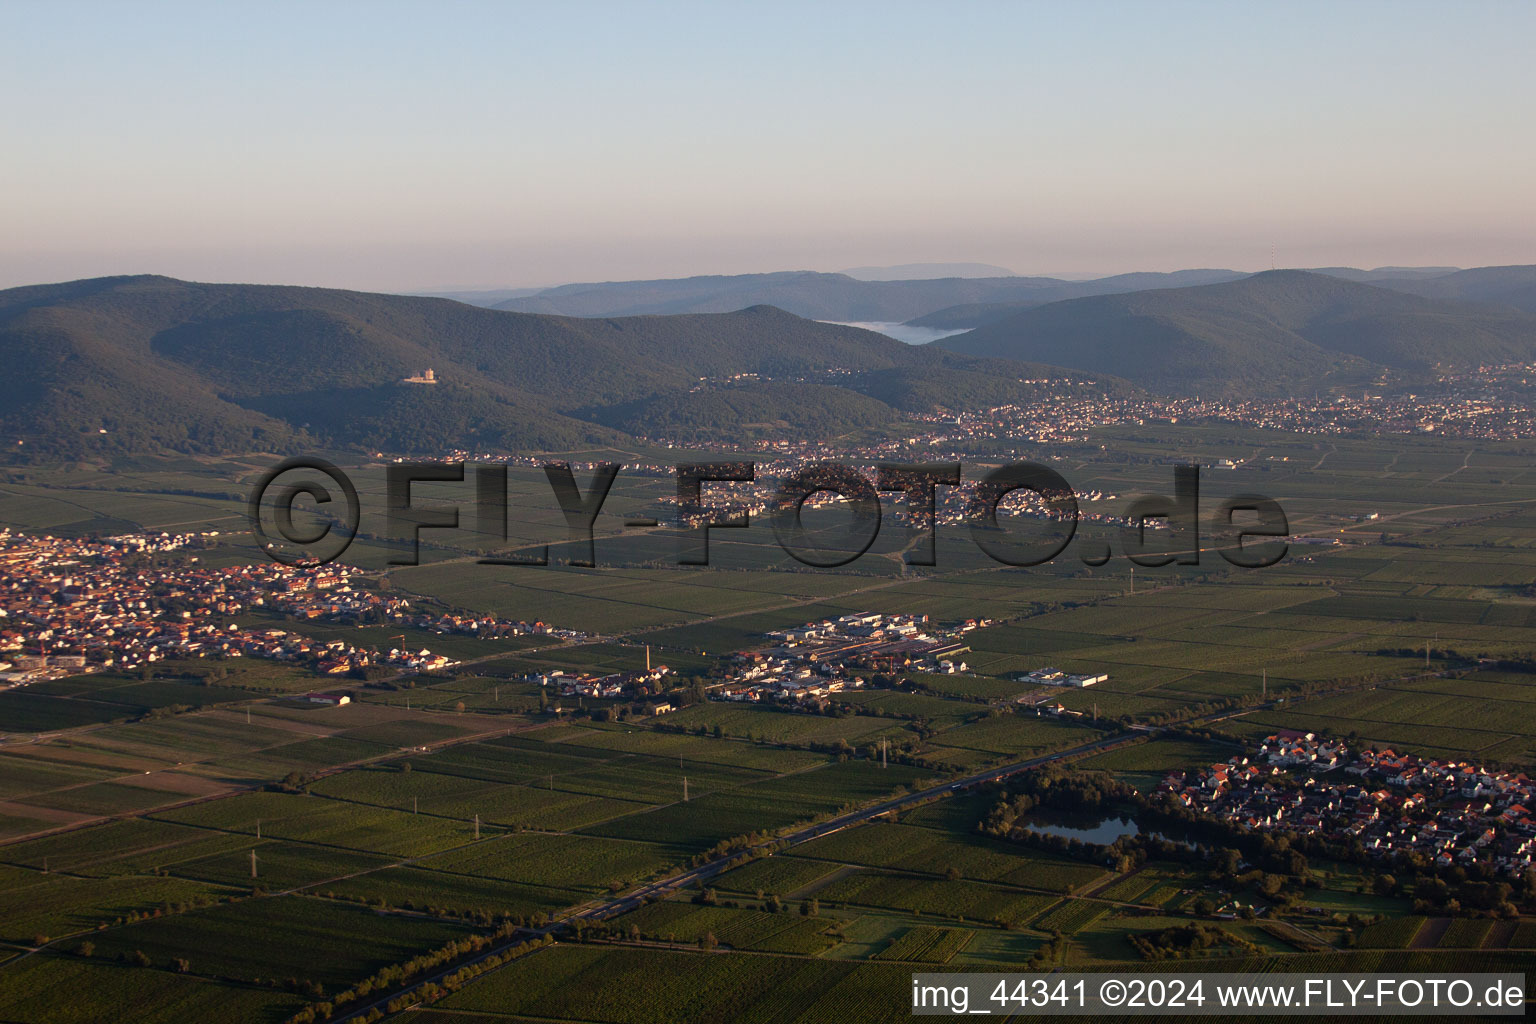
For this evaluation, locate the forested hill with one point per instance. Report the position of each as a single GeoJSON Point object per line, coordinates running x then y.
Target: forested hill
{"type": "Point", "coordinates": [134, 364]}
{"type": "Point", "coordinates": [1269, 333]}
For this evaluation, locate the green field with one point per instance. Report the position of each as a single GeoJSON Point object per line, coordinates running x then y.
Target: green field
{"type": "Point", "coordinates": [933, 851]}
{"type": "Point", "coordinates": [642, 986]}
{"type": "Point", "coordinates": [70, 990]}
{"type": "Point", "coordinates": [746, 929]}
{"type": "Point", "coordinates": [927, 945]}
{"type": "Point", "coordinates": [372, 857]}
{"type": "Point", "coordinates": [276, 938]}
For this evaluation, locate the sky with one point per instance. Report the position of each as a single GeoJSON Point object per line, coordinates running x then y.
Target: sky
{"type": "Point", "coordinates": [455, 145]}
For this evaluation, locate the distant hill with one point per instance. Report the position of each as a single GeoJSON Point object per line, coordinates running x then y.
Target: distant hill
{"type": "Point", "coordinates": [488, 297]}
{"type": "Point", "coordinates": [1268, 333]}
{"type": "Point", "coordinates": [815, 296]}
{"type": "Point", "coordinates": [1383, 275]}
{"type": "Point", "coordinates": [834, 297]}
{"type": "Point", "coordinates": [946, 296]}
{"type": "Point", "coordinates": [927, 271]}
{"type": "Point", "coordinates": [1498, 286]}
{"type": "Point", "coordinates": [137, 364]}
{"type": "Point", "coordinates": [973, 315]}
{"type": "Point", "coordinates": [979, 314]}
{"type": "Point", "coordinates": [140, 364]}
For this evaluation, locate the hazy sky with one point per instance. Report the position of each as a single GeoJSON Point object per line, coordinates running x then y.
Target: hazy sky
{"type": "Point", "coordinates": [442, 144]}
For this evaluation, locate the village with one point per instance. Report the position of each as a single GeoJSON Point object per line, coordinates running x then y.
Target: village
{"type": "Point", "coordinates": [1486, 402]}
{"type": "Point", "coordinates": [74, 606]}
{"type": "Point", "coordinates": [804, 667]}
{"type": "Point", "coordinates": [1448, 813]}
{"type": "Point", "coordinates": [811, 662]}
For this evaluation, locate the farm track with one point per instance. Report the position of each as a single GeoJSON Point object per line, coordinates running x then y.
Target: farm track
{"type": "Point", "coordinates": [1465, 464]}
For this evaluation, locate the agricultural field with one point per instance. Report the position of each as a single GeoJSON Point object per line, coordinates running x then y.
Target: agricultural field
{"type": "Point", "coordinates": [784, 876]}
{"type": "Point", "coordinates": [276, 937]}
{"type": "Point", "coordinates": [1393, 933]}
{"type": "Point", "coordinates": [933, 851]}
{"type": "Point", "coordinates": [425, 890]}
{"type": "Point", "coordinates": [129, 846]}
{"type": "Point", "coordinates": [561, 861]}
{"type": "Point", "coordinates": [113, 697]}
{"type": "Point", "coordinates": [139, 766]}
{"type": "Point", "coordinates": [927, 945]}
{"type": "Point", "coordinates": [310, 819]}
{"type": "Point", "coordinates": [1466, 933]}
{"type": "Point", "coordinates": [642, 986]}
{"type": "Point", "coordinates": [690, 748]}
{"type": "Point", "coordinates": [1441, 718]}
{"type": "Point", "coordinates": [75, 990]}
{"type": "Point", "coordinates": [769, 805]}
{"type": "Point", "coordinates": [608, 600]}
{"type": "Point", "coordinates": [954, 900]}
{"type": "Point", "coordinates": [384, 829]}
{"type": "Point", "coordinates": [776, 726]}
{"type": "Point", "coordinates": [1012, 737]}
{"type": "Point", "coordinates": [1070, 916]}
{"type": "Point", "coordinates": [1524, 936]}
{"type": "Point", "coordinates": [747, 929]}
{"type": "Point", "coordinates": [48, 904]}
{"type": "Point", "coordinates": [1157, 756]}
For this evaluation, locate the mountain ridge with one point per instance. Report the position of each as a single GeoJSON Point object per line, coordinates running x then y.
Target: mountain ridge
{"type": "Point", "coordinates": [1513, 286]}
{"type": "Point", "coordinates": [147, 362]}
{"type": "Point", "coordinates": [820, 296]}
{"type": "Point", "coordinates": [1267, 332]}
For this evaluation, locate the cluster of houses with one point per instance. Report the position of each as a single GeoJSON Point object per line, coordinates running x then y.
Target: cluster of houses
{"type": "Point", "coordinates": [759, 677]}
{"type": "Point", "coordinates": [340, 657]}
{"type": "Point", "coordinates": [70, 606]}
{"type": "Point", "coordinates": [1490, 402]}
{"type": "Point", "coordinates": [877, 641]}
{"type": "Point", "coordinates": [811, 662]}
{"type": "Point", "coordinates": [1448, 812]}
{"type": "Point", "coordinates": [640, 683]}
